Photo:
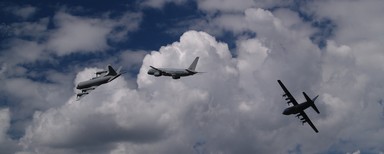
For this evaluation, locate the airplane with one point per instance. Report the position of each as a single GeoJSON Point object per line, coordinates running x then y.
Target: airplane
{"type": "Point", "coordinates": [175, 73]}
{"type": "Point", "coordinates": [102, 77]}
{"type": "Point", "coordinates": [298, 109]}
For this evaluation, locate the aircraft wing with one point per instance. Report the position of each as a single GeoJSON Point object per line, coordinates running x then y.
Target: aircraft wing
{"type": "Point", "coordinates": [162, 71]}
{"type": "Point", "coordinates": [157, 69]}
{"type": "Point", "coordinates": [287, 94]}
{"type": "Point", "coordinates": [305, 119]}
{"type": "Point", "coordinates": [84, 92]}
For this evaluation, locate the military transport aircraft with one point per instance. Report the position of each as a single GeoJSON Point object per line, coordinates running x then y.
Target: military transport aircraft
{"type": "Point", "coordinates": [298, 109]}
{"type": "Point", "coordinates": [102, 77]}
{"type": "Point", "coordinates": [174, 72]}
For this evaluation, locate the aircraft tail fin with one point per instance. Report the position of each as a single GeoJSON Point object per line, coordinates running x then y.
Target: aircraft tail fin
{"type": "Point", "coordinates": [312, 102]}
{"type": "Point", "coordinates": [111, 71]}
{"type": "Point", "coordinates": [193, 65]}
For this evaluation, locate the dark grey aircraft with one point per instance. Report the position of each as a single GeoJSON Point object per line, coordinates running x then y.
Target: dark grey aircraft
{"type": "Point", "coordinates": [174, 72]}
{"type": "Point", "coordinates": [297, 108]}
{"type": "Point", "coordinates": [102, 77]}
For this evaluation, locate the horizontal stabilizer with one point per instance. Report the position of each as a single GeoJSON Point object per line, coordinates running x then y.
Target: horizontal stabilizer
{"type": "Point", "coordinates": [113, 78]}
{"type": "Point", "coordinates": [119, 70]}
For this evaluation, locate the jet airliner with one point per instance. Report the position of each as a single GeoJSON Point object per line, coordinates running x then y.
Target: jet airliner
{"type": "Point", "coordinates": [174, 72]}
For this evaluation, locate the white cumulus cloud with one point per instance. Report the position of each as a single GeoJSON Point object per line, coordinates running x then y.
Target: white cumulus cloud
{"type": "Point", "coordinates": [235, 107]}
{"type": "Point", "coordinates": [231, 107]}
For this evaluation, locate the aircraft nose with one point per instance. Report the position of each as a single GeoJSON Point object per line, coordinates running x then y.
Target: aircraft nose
{"type": "Point", "coordinates": [286, 112]}
{"type": "Point", "coordinates": [150, 72]}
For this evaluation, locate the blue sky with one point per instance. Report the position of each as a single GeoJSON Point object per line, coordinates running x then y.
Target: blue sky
{"type": "Point", "coordinates": [319, 47]}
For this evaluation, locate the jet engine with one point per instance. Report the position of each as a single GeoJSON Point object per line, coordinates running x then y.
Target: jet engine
{"type": "Point", "coordinates": [101, 72]}
{"type": "Point", "coordinates": [175, 77]}
{"type": "Point", "coordinates": [81, 94]}
{"type": "Point", "coordinates": [157, 73]}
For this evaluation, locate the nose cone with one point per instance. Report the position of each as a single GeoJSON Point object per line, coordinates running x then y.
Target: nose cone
{"type": "Point", "coordinates": [80, 85]}
{"type": "Point", "coordinates": [286, 112]}
{"type": "Point", "coordinates": [151, 72]}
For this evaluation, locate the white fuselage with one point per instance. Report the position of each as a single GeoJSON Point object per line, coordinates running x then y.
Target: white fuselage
{"type": "Point", "coordinates": [96, 81]}
{"type": "Point", "coordinates": [175, 73]}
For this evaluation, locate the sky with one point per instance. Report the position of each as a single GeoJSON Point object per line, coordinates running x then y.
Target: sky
{"type": "Point", "coordinates": [330, 48]}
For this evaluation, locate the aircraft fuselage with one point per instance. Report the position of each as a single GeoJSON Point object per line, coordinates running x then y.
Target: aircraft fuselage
{"type": "Point", "coordinates": [170, 72]}
{"type": "Point", "coordinates": [296, 109]}
{"type": "Point", "coordinates": [94, 82]}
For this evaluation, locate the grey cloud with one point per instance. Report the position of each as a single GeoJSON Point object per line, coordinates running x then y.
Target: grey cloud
{"type": "Point", "coordinates": [75, 34]}
{"type": "Point", "coordinates": [349, 22]}
{"type": "Point", "coordinates": [99, 130]}
{"type": "Point", "coordinates": [79, 34]}
{"type": "Point", "coordinates": [22, 51]}
{"type": "Point", "coordinates": [4, 120]}
{"type": "Point", "coordinates": [32, 41]}
{"type": "Point", "coordinates": [8, 145]}
{"type": "Point", "coordinates": [23, 12]}
{"type": "Point", "coordinates": [160, 3]}
{"type": "Point", "coordinates": [228, 6]}
{"type": "Point", "coordinates": [35, 30]}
